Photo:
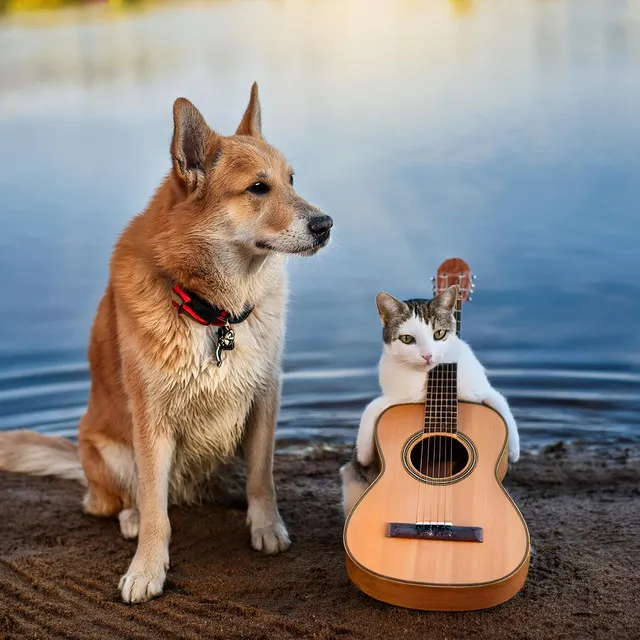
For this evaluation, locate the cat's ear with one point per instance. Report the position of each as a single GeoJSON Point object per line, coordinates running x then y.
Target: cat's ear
{"type": "Point", "coordinates": [389, 307]}
{"type": "Point", "coordinates": [447, 299]}
{"type": "Point", "coordinates": [251, 124]}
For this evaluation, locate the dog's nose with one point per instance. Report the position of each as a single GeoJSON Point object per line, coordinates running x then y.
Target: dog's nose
{"type": "Point", "coordinates": [320, 226]}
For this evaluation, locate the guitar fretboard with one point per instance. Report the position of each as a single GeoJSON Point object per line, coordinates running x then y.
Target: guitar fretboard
{"type": "Point", "coordinates": [441, 404]}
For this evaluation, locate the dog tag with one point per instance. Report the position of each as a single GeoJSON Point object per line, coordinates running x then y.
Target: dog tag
{"type": "Point", "coordinates": [226, 338]}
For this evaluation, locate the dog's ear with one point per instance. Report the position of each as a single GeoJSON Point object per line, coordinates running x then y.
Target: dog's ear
{"type": "Point", "coordinates": [189, 144]}
{"type": "Point", "coordinates": [251, 124]}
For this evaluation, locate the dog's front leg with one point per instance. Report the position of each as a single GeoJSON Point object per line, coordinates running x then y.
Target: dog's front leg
{"type": "Point", "coordinates": [154, 453]}
{"type": "Point", "coordinates": [268, 531]}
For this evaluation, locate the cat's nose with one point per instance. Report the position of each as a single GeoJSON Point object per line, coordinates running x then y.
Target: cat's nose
{"type": "Point", "coordinates": [427, 357]}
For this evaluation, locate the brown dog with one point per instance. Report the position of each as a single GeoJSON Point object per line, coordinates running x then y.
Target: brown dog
{"type": "Point", "coordinates": [201, 270]}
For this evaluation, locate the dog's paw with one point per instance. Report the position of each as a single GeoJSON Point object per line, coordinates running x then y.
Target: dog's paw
{"type": "Point", "coordinates": [271, 538]}
{"type": "Point", "coordinates": [129, 523]}
{"type": "Point", "coordinates": [140, 587]}
{"type": "Point", "coordinates": [268, 532]}
{"type": "Point", "coordinates": [142, 583]}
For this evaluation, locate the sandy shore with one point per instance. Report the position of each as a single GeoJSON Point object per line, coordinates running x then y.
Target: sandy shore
{"type": "Point", "coordinates": [59, 568]}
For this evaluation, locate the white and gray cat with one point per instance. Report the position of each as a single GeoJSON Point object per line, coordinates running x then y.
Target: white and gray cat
{"type": "Point", "coordinates": [418, 335]}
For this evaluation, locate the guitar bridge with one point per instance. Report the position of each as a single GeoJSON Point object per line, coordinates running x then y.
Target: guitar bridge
{"type": "Point", "coordinates": [434, 531]}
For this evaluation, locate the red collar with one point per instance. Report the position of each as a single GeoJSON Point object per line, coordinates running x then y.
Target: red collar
{"type": "Point", "coordinates": [203, 312]}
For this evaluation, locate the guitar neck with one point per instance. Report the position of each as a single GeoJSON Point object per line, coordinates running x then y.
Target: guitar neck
{"type": "Point", "coordinates": [441, 402]}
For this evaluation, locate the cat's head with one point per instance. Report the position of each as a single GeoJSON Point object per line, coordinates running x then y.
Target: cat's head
{"type": "Point", "coordinates": [418, 333]}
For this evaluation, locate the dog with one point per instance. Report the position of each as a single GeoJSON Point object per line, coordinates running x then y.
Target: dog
{"type": "Point", "coordinates": [186, 347]}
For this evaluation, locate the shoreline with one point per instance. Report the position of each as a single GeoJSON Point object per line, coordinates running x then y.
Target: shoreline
{"type": "Point", "coordinates": [59, 568]}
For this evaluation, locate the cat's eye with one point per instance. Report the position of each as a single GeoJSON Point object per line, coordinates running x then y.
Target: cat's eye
{"type": "Point", "coordinates": [406, 339]}
{"type": "Point", "coordinates": [259, 188]}
{"type": "Point", "coordinates": [439, 334]}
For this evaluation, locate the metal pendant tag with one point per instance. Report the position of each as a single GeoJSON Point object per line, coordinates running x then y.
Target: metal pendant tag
{"type": "Point", "coordinates": [226, 342]}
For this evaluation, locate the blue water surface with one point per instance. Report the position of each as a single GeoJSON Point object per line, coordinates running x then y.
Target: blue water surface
{"type": "Point", "coordinates": [507, 133]}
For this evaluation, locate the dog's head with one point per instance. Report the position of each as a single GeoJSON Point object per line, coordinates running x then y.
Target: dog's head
{"type": "Point", "coordinates": [238, 188]}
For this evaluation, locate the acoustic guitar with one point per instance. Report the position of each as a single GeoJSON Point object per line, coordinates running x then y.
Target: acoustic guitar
{"type": "Point", "coordinates": [437, 530]}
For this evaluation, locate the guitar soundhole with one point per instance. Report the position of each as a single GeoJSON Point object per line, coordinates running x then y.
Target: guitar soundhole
{"type": "Point", "coordinates": [439, 457]}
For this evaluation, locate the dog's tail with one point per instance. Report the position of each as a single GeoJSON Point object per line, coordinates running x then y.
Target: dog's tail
{"type": "Point", "coordinates": [39, 455]}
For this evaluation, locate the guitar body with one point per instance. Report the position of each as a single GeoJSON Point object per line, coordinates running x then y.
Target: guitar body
{"type": "Point", "coordinates": [426, 570]}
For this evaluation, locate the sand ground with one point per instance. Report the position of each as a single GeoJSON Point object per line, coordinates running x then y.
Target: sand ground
{"type": "Point", "coordinates": [59, 568]}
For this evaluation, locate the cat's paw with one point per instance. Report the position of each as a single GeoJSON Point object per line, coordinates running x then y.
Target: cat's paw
{"type": "Point", "coordinates": [514, 452]}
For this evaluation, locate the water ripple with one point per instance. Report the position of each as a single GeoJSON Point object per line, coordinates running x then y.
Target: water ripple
{"type": "Point", "coordinates": [326, 404]}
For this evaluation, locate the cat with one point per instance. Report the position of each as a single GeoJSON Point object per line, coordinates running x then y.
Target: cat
{"type": "Point", "coordinates": [418, 335]}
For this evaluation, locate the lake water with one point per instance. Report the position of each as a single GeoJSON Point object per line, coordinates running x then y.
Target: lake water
{"type": "Point", "coordinates": [504, 132]}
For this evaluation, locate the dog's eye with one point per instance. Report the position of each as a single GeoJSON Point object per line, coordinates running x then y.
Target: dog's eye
{"type": "Point", "coordinates": [259, 188]}
{"type": "Point", "coordinates": [439, 334]}
{"type": "Point", "coordinates": [406, 339]}
{"type": "Point", "coordinates": [291, 179]}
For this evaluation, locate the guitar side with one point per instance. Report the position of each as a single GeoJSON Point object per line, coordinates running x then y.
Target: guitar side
{"type": "Point", "coordinates": [431, 574]}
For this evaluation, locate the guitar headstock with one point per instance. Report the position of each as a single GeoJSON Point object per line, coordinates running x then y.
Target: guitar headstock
{"type": "Point", "coordinates": [454, 271]}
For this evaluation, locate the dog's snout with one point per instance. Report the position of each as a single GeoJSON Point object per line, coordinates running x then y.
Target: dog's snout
{"type": "Point", "coordinates": [320, 226]}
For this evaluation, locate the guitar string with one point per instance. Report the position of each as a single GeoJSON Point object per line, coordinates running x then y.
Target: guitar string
{"type": "Point", "coordinates": [433, 377]}
{"type": "Point", "coordinates": [427, 494]}
{"type": "Point", "coordinates": [431, 391]}
{"type": "Point", "coordinates": [441, 420]}
{"type": "Point", "coordinates": [455, 381]}
{"type": "Point", "coordinates": [447, 442]}
{"type": "Point", "coordinates": [441, 390]}
{"type": "Point", "coordinates": [425, 461]}
{"type": "Point", "coordinates": [430, 487]}
{"type": "Point", "coordinates": [442, 375]}
{"type": "Point", "coordinates": [444, 437]}
{"type": "Point", "coordinates": [422, 494]}
{"type": "Point", "coordinates": [420, 462]}
{"type": "Point", "coordinates": [453, 411]}
{"type": "Point", "coordinates": [451, 426]}
{"type": "Point", "coordinates": [449, 455]}
{"type": "Point", "coordinates": [437, 458]}
{"type": "Point", "coordinates": [443, 459]}
{"type": "Point", "coordinates": [423, 465]}
{"type": "Point", "coordinates": [453, 391]}
{"type": "Point", "coordinates": [452, 403]}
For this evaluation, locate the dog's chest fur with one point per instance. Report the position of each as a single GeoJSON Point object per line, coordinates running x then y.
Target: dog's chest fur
{"type": "Point", "coordinates": [206, 406]}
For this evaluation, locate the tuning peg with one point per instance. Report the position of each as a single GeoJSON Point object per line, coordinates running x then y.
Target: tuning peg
{"type": "Point", "coordinates": [470, 298]}
{"type": "Point", "coordinates": [473, 276]}
{"type": "Point", "coordinates": [432, 278]}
